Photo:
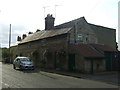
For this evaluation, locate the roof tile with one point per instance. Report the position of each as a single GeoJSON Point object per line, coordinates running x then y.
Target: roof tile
{"type": "Point", "coordinates": [87, 51]}
{"type": "Point", "coordinates": [45, 34]}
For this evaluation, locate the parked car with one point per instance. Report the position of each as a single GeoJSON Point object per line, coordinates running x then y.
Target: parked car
{"type": "Point", "coordinates": [23, 63]}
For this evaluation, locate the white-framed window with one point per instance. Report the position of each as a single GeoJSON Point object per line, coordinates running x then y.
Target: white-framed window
{"type": "Point", "coordinates": [80, 37]}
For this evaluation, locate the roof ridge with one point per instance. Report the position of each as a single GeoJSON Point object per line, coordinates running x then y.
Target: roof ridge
{"type": "Point", "coordinates": [101, 26]}
{"type": "Point", "coordinates": [72, 22]}
{"type": "Point", "coordinates": [45, 34]}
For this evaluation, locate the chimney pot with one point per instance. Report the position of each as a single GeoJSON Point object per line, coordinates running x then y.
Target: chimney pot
{"type": "Point", "coordinates": [18, 38]}
{"type": "Point", "coordinates": [24, 36]}
{"type": "Point", "coordinates": [30, 33]}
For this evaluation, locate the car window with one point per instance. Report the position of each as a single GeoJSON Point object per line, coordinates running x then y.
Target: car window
{"type": "Point", "coordinates": [17, 59]}
{"type": "Point", "coordinates": [24, 59]}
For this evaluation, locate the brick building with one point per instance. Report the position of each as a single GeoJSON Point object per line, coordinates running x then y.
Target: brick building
{"type": "Point", "coordinates": [75, 46]}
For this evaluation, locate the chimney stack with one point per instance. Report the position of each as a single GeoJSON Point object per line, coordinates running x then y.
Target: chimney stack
{"type": "Point", "coordinates": [49, 22]}
{"type": "Point", "coordinates": [24, 36]}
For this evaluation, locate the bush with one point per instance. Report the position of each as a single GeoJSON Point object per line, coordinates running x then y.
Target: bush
{"type": "Point", "coordinates": [6, 54]}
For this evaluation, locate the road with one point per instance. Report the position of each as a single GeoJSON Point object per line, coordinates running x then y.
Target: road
{"type": "Point", "coordinates": [38, 79]}
{"type": "Point", "coordinates": [0, 74]}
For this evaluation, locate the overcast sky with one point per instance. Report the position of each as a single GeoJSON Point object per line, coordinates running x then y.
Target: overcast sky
{"type": "Point", "coordinates": [28, 15]}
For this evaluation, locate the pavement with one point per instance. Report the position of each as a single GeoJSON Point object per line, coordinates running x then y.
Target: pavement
{"type": "Point", "coordinates": [112, 77]}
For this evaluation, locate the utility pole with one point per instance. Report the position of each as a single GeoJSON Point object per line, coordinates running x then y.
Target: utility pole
{"type": "Point", "coordinates": [9, 42]}
{"type": "Point", "coordinates": [44, 9]}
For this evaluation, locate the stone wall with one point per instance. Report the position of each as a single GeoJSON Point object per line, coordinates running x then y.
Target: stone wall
{"type": "Point", "coordinates": [81, 31]}
{"type": "Point", "coordinates": [14, 52]}
{"type": "Point", "coordinates": [79, 59]}
{"type": "Point", "coordinates": [90, 33]}
{"type": "Point", "coordinates": [105, 36]}
{"type": "Point", "coordinates": [49, 45]}
{"type": "Point", "coordinates": [94, 66]}
{"type": "Point", "coordinates": [83, 64]}
{"type": "Point", "coordinates": [84, 33]}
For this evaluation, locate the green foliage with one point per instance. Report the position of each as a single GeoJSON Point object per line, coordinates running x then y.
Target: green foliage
{"type": "Point", "coordinates": [35, 58]}
{"type": "Point", "coordinates": [35, 54]}
{"type": "Point", "coordinates": [5, 53]}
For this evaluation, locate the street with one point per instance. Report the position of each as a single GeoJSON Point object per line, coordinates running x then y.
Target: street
{"type": "Point", "coordinates": [38, 79]}
{"type": "Point", "coordinates": [0, 74]}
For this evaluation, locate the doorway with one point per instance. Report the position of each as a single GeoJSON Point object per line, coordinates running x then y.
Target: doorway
{"type": "Point", "coordinates": [71, 62]}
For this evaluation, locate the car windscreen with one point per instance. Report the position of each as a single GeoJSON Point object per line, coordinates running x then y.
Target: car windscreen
{"type": "Point", "coordinates": [24, 59]}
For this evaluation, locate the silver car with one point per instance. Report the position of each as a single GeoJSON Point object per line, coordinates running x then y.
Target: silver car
{"type": "Point", "coordinates": [23, 63]}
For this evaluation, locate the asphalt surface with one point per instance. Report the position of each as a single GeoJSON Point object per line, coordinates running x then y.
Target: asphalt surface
{"type": "Point", "coordinates": [39, 79]}
{"type": "Point", "coordinates": [107, 77]}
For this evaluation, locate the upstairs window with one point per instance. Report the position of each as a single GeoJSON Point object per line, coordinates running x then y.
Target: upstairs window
{"type": "Point", "coordinates": [87, 37]}
{"type": "Point", "coordinates": [80, 37]}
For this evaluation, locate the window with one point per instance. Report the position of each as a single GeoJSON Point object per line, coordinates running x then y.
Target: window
{"type": "Point", "coordinates": [80, 37]}
{"type": "Point", "coordinates": [87, 37]}
{"type": "Point", "coordinates": [17, 59]}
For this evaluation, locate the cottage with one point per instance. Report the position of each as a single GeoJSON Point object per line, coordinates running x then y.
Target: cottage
{"type": "Point", "coordinates": [75, 46]}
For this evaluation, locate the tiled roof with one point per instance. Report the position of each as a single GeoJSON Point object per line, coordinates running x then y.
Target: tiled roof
{"type": "Point", "coordinates": [92, 50]}
{"type": "Point", "coordinates": [44, 34]}
{"type": "Point", "coordinates": [86, 50]}
{"type": "Point", "coordinates": [104, 47]}
{"type": "Point", "coordinates": [14, 45]}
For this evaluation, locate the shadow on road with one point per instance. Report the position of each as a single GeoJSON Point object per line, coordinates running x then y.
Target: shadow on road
{"type": "Point", "coordinates": [28, 71]}
{"type": "Point", "coordinates": [37, 71]}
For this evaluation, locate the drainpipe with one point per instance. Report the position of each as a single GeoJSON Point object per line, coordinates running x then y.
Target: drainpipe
{"type": "Point", "coordinates": [75, 33]}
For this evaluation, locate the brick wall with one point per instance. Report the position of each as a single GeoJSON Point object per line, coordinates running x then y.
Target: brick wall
{"type": "Point", "coordinates": [88, 35]}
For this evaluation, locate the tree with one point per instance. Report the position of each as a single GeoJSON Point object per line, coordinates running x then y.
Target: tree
{"type": "Point", "coordinates": [5, 54]}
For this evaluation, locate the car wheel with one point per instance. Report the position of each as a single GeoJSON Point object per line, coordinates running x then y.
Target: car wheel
{"type": "Point", "coordinates": [14, 66]}
{"type": "Point", "coordinates": [20, 68]}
